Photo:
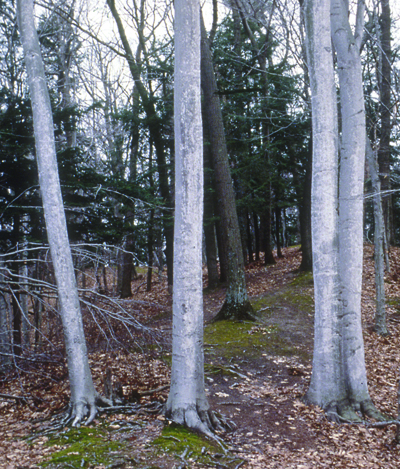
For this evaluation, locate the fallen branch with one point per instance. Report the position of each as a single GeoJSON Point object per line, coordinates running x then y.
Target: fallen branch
{"type": "Point", "coordinates": [17, 398]}
{"type": "Point", "coordinates": [153, 391]}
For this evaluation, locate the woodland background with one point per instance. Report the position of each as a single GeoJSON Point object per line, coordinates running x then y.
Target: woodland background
{"type": "Point", "coordinates": [111, 89]}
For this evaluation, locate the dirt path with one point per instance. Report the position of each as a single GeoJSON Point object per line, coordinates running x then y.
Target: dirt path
{"type": "Point", "coordinates": [256, 375]}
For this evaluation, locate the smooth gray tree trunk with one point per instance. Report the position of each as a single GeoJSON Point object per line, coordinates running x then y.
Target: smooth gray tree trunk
{"type": "Point", "coordinates": [338, 382]}
{"type": "Point", "coordinates": [83, 395]}
{"type": "Point", "coordinates": [351, 201]}
{"type": "Point", "coordinates": [327, 386]}
{"type": "Point", "coordinates": [187, 403]}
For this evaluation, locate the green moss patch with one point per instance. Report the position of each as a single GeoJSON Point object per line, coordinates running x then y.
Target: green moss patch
{"type": "Point", "coordinates": [82, 447]}
{"type": "Point", "coordinates": [229, 339]}
{"type": "Point", "coordinates": [189, 447]}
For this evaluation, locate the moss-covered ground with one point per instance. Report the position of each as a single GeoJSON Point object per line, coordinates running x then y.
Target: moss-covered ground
{"type": "Point", "coordinates": [82, 447]}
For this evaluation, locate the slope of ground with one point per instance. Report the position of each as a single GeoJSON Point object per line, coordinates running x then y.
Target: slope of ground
{"type": "Point", "coordinates": [256, 375]}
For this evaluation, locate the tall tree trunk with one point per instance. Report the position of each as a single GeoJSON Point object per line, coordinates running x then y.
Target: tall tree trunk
{"type": "Point", "coordinates": [384, 153]}
{"type": "Point", "coordinates": [351, 202]}
{"type": "Point", "coordinates": [83, 395]}
{"type": "Point", "coordinates": [338, 382]}
{"type": "Point", "coordinates": [379, 236]}
{"type": "Point", "coordinates": [187, 403]}
{"type": "Point", "coordinates": [236, 305]}
{"type": "Point", "coordinates": [327, 385]}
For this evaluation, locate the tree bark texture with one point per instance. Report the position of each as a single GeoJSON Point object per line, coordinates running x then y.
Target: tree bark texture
{"type": "Point", "coordinates": [187, 403]}
{"type": "Point", "coordinates": [351, 197]}
{"type": "Point", "coordinates": [339, 382]}
{"type": "Point", "coordinates": [326, 387]}
{"type": "Point", "coordinates": [83, 395]}
{"type": "Point", "coordinates": [236, 305]}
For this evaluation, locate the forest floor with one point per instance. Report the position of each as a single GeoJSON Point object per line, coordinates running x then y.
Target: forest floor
{"type": "Point", "coordinates": [256, 376]}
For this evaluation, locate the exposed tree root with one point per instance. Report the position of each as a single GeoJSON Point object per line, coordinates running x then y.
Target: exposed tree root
{"type": "Point", "coordinates": [346, 412]}
{"type": "Point", "coordinates": [205, 422]}
{"type": "Point", "coordinates": [233, 311]}
{"type": "Point", "coordinates": [368, 409]}
{"type": "Point", "coordinates": [82, 410]}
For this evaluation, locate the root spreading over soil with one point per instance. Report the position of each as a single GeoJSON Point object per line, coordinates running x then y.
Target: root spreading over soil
{"type": "Point", "coordinates": [256, 376]}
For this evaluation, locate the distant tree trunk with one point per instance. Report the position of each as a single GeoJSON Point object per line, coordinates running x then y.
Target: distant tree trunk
{"type": "Point", "coordinates": [17, 322]}
{"type": "Point", "coordinates": [211, 252]}
{"type": "Point", "coordinates": [266, 230]}
{"type": "Point", "coordinates": [83, 395]}
{"type": "Point", "coordinates": [24, 297]}
{"type": "Point", "coordinates": [249, 237]}
{"type": "Point", "coordinates": [187, 403]}
{"type": "Point", "coordinates": [222, 254]}
{"type": "Point", "coordinates": [256, 236]}
{"type": "Point", "coordinates": [156, 135]}
{"type": "Point", "coordinates": [279, 242]}
{"type": "Point", "coordinates": [305, 220]}
{"type": "Point", "coordinates": [379, 234]}
{"type": "Point", "coordinates": [150, 251]}
{"type": "Point", "coordinates": [209, 216]}
{"type": "Point", "coordinates": [384, 152]}
{"type": "Point", "coordinates": [5, 336]}
{"type": "Point", "coordinates": [125, 269]}
{"type": "Point", "coordinates": [237, 304]}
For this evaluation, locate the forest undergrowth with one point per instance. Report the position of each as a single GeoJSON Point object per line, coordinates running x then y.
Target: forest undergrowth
{"type": "Point", "coordinates": [256, 375]}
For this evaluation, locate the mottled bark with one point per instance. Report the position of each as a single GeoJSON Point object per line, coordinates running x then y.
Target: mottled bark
{"type": "Point", "coordinates": [327, 384]}
{"type": "Point", "coordinates": [187, 403]}
{"type": "Point", "coordinates": [83, 395]}
{"type": "Point", "coordinates": [351, 196]}
{"type": "Point", "coordinates": [339, 382]}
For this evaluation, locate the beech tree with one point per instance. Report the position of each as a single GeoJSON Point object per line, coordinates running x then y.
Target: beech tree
{"type": "Point", "coordinates": [339, 382]}
{"type": "Point", "coordinates": [83, 394]}
{"type": "Point", "coordinates": [187, 403]}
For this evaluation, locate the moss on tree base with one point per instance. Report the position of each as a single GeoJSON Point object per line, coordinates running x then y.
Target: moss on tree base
{"type": "Point", "coordinates": [232, 311]}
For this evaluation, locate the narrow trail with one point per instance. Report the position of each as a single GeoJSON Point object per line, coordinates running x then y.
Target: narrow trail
{"type": "Point", "coordinates": [256, 375]}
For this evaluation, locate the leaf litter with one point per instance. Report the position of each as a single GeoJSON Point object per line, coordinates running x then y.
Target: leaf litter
{"type": "Point", "coordinates": [259, 389]}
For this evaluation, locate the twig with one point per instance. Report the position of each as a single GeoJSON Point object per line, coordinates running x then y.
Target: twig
{"type": "Point", "coordinates": [383, 424]}
{"type": "Point", "coordinates": [18, 398]}
{"type": "Point", "coordinates": [152, 391]}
